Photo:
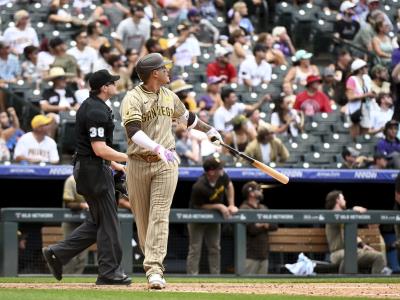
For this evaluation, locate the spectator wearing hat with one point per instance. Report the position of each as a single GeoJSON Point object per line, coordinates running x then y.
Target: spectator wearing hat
{"type": "Point", "coordinates": [188, 48]}
{"type": "Point", "coordinates": [231, 108]}
{"type": "Point", "coordinates": [240, 137]}
{"type": "Point", "coordinates": [187, 147]}
{"type": "Point", "coordinates": [381, 115]}
{"type": "Point", "coordinates": [347, 27]}
{"type": "Point", "coordinates": [389, 146]}
{"type": "Point", "coordinates": [105, 52]}
{"type": "Point", "coordinates": [267, 148]}
{"type": "Point", "coordinates": [255, 70]}
{"type": "Point", "coordinates": [286, 120]}
{"type": "Point", "coordinates": [157, 33]}
{"type": "Point", "coordinates": [94, 32]}
{"type": "Point", "coordinates": [382, 43]}
{"type": "Point", "coordinates": [182, 89]}
{"type": "Point", "coordinates": [312, 100]}
{"type": "Point", "coordinates": [21, 35]}
{"type": "Point", "coordinates": [205, 32]}
{"type": "Point", "coordinates": [329, 83]}
{"type": "Point", "coordinates": [59, 97]}
{"type": "Point", "coordinates": [360, 97]}
{"type": "Point", "coordinates": [210, 191]}
{"type": "Point", "coordinates": [301, 70]}
{"type": "Point", "coordinates": [85, 55]}
{"type": "Point", "coordinates": [133, 31]}
{"type": "Point", "coordinates": [380, 162]}
{"type": "Point", "coordinates": [352, 159]}
{"type": "Point", "coordinates": [221, 67]}
{"type": "Point", "coordinates": [282, 41]}
{"type": "Point", "coordinates": [10, 69]}
{"type": "Point", "coordinates": [257, 247]}
{"type": "Point", "coordinates": [64, 60]}
{"type": "Point", "coordinates": [373, 8]}
{"type": "Point", "coordinates": [36, 146]}
{"type": "Point", "coordinates": [211, 100]}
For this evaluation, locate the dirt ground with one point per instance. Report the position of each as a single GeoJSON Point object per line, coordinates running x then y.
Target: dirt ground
{"type": "Point", "coordinates": [310, 289]}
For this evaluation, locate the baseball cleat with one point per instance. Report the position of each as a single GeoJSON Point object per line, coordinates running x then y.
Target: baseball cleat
{"type": "Point", "coordinates": [156, 282]}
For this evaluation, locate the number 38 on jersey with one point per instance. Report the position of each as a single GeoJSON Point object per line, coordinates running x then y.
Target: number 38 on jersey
{"type": "Point", "coordinates": [96, 132]}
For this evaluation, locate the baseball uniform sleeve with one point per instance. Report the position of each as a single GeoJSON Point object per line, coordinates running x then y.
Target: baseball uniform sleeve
{"type": "Point", "coordinates": [179, 107]}
{"type": "Point", "coordinates": [131, 109]}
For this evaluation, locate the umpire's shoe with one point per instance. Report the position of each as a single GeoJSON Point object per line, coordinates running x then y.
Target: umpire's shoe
{"type": "Point", "coordinates": [125, 280]}
{"type": "Point", "coordinates": [55, 266]}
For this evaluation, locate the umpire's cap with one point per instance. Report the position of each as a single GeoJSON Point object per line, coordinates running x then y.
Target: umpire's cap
{"type": "Point", "coordinates": [212, 163]}
{"type": "Point", "coordinates": [100, 78]}
{"type": "Point", "coordinates": [150, 62]}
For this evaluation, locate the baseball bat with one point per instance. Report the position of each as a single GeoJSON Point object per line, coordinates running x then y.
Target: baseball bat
{"type": "Point", "coordinates": [259, 165]}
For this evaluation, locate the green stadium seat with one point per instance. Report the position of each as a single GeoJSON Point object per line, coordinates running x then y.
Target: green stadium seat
{"type": "Point", "coordinates": [337, 138]}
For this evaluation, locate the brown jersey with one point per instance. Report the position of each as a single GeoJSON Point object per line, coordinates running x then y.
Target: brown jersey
{"type": "Point", "coordinates": [155, 112]}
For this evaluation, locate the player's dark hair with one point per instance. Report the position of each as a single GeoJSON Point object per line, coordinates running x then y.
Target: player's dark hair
{"type": "Point", "coordinates": [225, 93]}
{"type": "Point", "coordinates": [330, 200]}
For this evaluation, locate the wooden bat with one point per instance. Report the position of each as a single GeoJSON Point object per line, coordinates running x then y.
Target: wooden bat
{"type": "Point", "coordinates": [259, 165]}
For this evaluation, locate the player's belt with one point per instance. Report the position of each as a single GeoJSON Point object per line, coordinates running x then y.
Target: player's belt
{"type": "Point", "coordinates": [150, 158]}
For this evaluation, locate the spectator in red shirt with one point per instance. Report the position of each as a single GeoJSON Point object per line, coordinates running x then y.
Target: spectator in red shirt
{"type": "Point", "coordinates": [222, 68]}
{"type": "Point", "coordinates": [312, 100]}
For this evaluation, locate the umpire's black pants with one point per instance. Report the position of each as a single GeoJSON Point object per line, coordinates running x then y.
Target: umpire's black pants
{"type": "Point", "coordinates": [95, 182]}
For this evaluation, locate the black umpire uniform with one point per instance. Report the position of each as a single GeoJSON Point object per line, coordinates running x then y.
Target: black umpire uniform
{"type": "Point", "coordinates": [94, 178]}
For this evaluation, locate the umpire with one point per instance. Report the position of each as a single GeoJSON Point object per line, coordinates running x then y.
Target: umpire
{"type": "Point", "coordinates": [94, 157]}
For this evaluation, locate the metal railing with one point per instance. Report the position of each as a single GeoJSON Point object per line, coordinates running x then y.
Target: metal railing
{"type": "Point", "coordinates": [10, 217]}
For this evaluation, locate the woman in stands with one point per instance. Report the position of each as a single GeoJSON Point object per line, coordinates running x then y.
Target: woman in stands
{"type": "Point", "coordinates": [382, 44]}
{"type": "Point", "coordinates": [274, 56]}
{"type": "Point", "coordinates": [241, 47]}
{"type": "Point", "coordinates": [302, 68]}
{"type": "Point", "coordinates": [95, 35]}
{"type": "Point", "coordinates": [286, 120]}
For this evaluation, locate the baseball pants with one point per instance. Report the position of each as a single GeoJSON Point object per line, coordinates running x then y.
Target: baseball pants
{"type": "Point", "coordinates": [151, 187]}
{"type": "Point", "coordinates": [256, 266]}
{"type": "Point", "coordinates": [365, 259]}
{"type": "Point", "coordinates": [101, 226]}
{"type": "Point", "coordinates": [211, 233]}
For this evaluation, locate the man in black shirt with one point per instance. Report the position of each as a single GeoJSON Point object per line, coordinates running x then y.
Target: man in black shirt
{"type": "Point", "coordinates": [93, 175]}
{"type": "Point", "coordinates": [209, 192]}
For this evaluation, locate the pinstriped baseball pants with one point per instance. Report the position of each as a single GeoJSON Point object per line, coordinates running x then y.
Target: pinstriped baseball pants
{"type": "Point", "coordinates": [151, 187]}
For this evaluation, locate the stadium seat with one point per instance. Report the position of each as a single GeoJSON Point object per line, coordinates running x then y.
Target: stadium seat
{"type": "Point", "coordinates": [337, 138]}
{"type": "Point", "coordinates": [341, 127]}
{"type": "Point", "coordinates": [316, 128]}
{"type": "Point", "coordinates": [309, 139]}
{"type": "Point", "coordinates": [328, 148]}
{"type": "Point", "coordinates": [318, 158]}
{"type": "Point", "coordinates": [331, 118]}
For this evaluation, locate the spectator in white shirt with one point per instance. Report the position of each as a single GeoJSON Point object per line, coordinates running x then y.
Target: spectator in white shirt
{"type": "Point", "coordinates": [187, 52]}
{"type": "Point", "coordinates": [230, 108]}
{"type": "Point", "coordinates": [381, 115]}
{"type": "Point", "coordinates": [105, 52]}
{"type": "Point", "coordinates": [36, 146]}
{"type": "Point", "coordinates": [30, 71]}
{"type": "Point", "coordinates": [85, 55]}
{"type": "Point", "coordinates": [21, 35]}
{"type": "Point", "coordinates": [255, 70]}
{"type": "Point", "coordinates": [134, 31]}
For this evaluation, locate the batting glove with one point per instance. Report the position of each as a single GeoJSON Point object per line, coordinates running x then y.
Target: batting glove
{"type": "Point", "coordinates": [214, 136]}
{"type": "Point", "coordinates": [166, 155]}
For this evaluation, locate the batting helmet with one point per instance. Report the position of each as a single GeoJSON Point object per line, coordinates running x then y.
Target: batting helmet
{"type": "Point", "coordinates": [149, 63]}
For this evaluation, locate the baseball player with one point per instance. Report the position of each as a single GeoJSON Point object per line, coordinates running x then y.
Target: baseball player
{"type": "Point", "coordinates": [152, 171]}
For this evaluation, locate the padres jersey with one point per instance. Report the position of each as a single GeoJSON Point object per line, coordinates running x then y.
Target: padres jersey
{"type": "Point", "coordinates": [155, 112]}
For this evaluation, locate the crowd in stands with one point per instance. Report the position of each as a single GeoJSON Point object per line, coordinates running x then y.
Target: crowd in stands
{"type": "Point", "coordinates": [320, 95]}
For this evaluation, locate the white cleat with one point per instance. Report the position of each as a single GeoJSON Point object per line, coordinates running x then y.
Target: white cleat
{"type": "Point", "coordinates": [156, 282]}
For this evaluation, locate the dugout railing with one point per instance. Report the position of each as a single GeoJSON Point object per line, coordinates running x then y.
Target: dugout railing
{"type": "Point", "coordinates": [11, 217]}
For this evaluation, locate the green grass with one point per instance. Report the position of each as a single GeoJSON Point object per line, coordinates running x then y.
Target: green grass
{"type": "Point", "coordinates": [26, 294]}
{"type": "Point", "coordinates": [141, 279]}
